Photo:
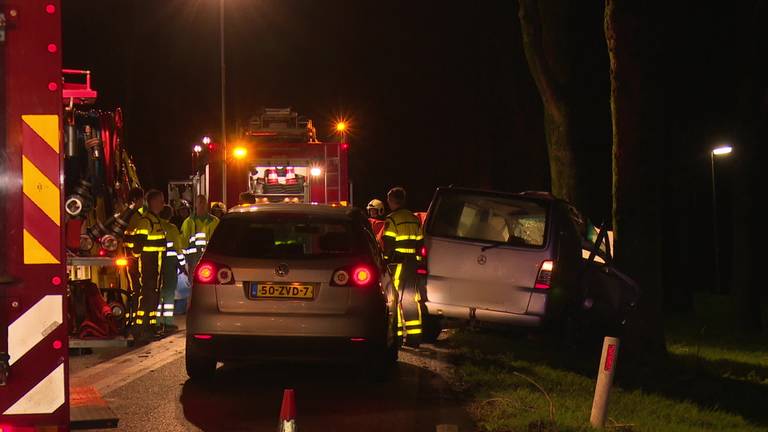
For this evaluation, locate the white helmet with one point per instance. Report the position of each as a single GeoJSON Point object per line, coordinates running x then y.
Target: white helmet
{"type": "Point", "coordinates": [377, 205]}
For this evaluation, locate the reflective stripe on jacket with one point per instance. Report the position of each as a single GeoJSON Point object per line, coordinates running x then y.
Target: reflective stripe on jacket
{"type": "Point", "coordinates": [149, 235]}
{"type": "Point", "coordinates": [173, 242]}
{"type": "Point", "coordinates": [196, 231]}
{"type": "Point", "coordinates": [402, 233]}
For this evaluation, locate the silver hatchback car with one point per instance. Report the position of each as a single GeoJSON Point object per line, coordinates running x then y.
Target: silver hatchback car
{"type": "Point", "coordinates": [293, 281]}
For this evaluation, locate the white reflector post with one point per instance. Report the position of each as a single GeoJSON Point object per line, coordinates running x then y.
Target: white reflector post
{"type": "Point", "coordinates": [604, 381]}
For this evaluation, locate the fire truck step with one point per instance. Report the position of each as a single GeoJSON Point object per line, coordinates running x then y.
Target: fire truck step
{"type": "Point", "coordinates": [119, 341]}
{"type": "Point", "coordinates": [88, 410]}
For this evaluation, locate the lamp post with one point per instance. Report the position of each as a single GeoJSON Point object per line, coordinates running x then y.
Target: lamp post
{"type": "Point", "coordinates": [196, 150]}
{"type": "Point", "coordinates": [722, 150]}
{"type": "Point", "coordinates": [223, 106]}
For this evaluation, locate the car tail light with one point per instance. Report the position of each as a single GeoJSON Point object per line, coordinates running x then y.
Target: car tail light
{"type": "Point", "coordinates": [423, 251]}
{"type": "Point", "coordinates": [359, 275]}
{"type": "Point", "coordinates": [208, 272]}
{"type": "Point", "coordinates": [544, 279]}
{"type": "Point", "coordinates": [422, 271]}
{"type": "Point", "coordinates": [202, 336]}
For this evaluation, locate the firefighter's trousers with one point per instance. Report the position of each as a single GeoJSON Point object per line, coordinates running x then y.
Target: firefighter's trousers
{"type": "Point", "coordinates": [144, 301]}
{"type": "Point", "coordinates": [406, 283]}
{"type": "Point", "coordinates": [134, 281]}
{"type": "Point", "coordinates": [170, 281]}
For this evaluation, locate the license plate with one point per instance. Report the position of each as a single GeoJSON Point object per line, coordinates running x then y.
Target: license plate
{"type": "Point", "coordinates": [295, 290]}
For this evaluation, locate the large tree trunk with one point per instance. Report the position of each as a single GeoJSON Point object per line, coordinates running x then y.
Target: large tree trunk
{"type": "Point", "coordinates": [637, 118]}
{"type": "Point", "coordinates": [750, 296]}
{"type": "Point", "coordinates": [562, 164]}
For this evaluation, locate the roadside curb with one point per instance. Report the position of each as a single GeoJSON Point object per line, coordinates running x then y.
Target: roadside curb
{"type": "Point", "coordinates": [121, 370]}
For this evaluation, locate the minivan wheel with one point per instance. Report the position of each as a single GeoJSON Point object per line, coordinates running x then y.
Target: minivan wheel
{"type": "Point", "coordinates": [199, 367]}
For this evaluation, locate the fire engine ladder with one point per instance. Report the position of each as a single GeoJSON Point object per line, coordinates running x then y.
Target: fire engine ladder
{"type": "Point", "coordinates": [332, 173]}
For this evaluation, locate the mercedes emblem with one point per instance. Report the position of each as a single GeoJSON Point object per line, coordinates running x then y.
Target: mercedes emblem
{"type": "Point", "coordinates": [482, 259]}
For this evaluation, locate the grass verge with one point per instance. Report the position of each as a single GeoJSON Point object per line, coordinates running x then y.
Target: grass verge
{"type": "Point", "coordinates": [712, 381]}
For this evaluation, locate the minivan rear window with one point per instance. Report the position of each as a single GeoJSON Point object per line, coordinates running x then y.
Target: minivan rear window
{"type": "Point", "coordinates": [489, 218]}
{"type": "Point", "coordinates": [286, 236]}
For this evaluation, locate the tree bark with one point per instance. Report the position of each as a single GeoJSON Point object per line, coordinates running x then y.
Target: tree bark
{"type": "Point", "coordinates": [751, 300]}
{"type": "Point", "coordinates": [562, 165]}
{"type": "Point", "coordinates": [637, 119]}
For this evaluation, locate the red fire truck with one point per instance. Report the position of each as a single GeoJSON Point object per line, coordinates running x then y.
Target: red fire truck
{"type": "Point", "coordinates": [64, 177]}
{"type": "Point", "coordinates": [278, 158]}
{"type": "Point", "coordinates": [33, 329]}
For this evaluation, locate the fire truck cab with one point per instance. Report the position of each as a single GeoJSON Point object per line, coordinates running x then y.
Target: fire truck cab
{"type": "Point", "coordinates": [278, 158]}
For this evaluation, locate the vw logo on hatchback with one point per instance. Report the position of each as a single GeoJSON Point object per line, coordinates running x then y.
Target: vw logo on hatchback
{"type": "Point", "coordinates": [281, 270]}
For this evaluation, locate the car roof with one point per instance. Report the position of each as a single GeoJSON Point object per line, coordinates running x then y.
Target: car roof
{"type": "Point", "coordinates": [532, 195]}
{"type": "Point", "coordinates": [309, 209]}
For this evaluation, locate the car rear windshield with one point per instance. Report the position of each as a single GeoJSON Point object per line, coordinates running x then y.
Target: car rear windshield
{"type": "Point", "coordinates": [286, 236]}
{"type": "Point", "coordinates": [489, 218]}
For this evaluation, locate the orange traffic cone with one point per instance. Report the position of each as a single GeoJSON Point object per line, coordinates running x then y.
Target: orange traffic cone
{"type": "Point", "coordinates": [288, 412]}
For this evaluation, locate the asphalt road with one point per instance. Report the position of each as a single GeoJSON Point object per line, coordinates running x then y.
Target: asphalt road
{"type": "Point", "coordinates": [247, 397]}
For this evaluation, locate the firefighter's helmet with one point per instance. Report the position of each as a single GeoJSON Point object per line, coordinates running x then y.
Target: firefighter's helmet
{"type": "Point", "coordinates": [376, 206]}
{"type": "Point", "coordinates": [218, 206]}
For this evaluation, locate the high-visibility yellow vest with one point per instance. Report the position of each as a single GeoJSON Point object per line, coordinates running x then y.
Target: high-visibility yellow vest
{"type": "Point", "coordinates": [129, 237]}
{"type": "Point", "coordinates": [173, 244]}
{"type": "Point", "coordinates": [196, 232]}
{"type": "Point", "coordinates": [150, 234]}
{"type": "Point", "coordinates": [402, 234]}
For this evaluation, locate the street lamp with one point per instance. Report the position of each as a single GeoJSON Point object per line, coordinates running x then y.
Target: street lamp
{"type": "Point", "coordinates": [196, 150]}
{"type": "Point", "coordinates": [721, 150]}
{"type": "Point", "coordinates": [222, 71]}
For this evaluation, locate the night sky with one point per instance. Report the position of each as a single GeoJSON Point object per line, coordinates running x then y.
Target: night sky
{"type": "Point", "coordinates": [438, 92]}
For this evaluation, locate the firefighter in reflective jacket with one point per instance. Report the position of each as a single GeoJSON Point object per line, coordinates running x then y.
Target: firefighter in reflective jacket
{"type": "Point", "coordinates": [402, 241]}
{"type": "Point", "coordinates": [150, 243]}
{"type": "Point", "coordinates": [136, 200]}
{"type": "Point", "coordinates": [172, 264]}
{"type": "Point", "coordinates": [197, 230]}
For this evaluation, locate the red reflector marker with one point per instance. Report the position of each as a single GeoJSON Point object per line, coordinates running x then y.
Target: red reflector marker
{"type": "Point", "coordinates": [357, 339]}
{"type": "Point", "coordinates": [610, 357]}
{"type": "Point", "coordinates": [422, 271]}
{"type": "Point", "coordinates": [203, 336]}
{"type": "Point", "coordinates": [57, 344]}
{"type": "Point", "coordinates": [55, 281]}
